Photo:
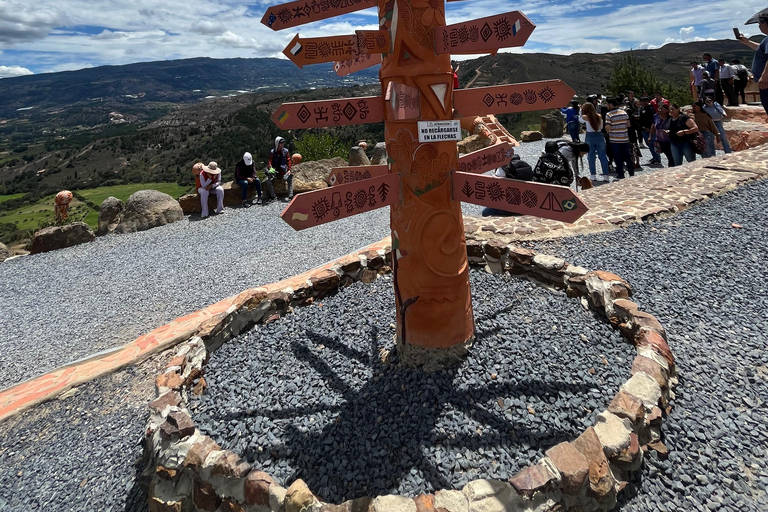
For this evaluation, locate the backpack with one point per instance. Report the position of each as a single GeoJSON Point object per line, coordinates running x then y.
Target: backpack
{"type": "Point", "coordinates": [742, 72]}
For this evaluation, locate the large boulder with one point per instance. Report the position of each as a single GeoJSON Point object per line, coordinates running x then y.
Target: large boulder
{"type": "Point", "coordinates": [147, 209]}
{"type": "Point", "coordinates": [313, 175]}
{"type": "Point", "coordinates": [379, 156]}
{"type": "Point", "coordinates": [531, 136]}
{"type": "Point", "coordinates": [4, 253]}
{"type": "Point", "coordinates": [109, 215]}
{"type": "Point", "coordinates": [59, 237]}
{"type": "Point", "coordinates": [357, 157]}
{"type": "Point", "coordinates": [552, 125]}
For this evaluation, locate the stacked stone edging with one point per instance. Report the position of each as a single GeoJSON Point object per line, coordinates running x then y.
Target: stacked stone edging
{"type": "Point", "coordinates": [188, 471]}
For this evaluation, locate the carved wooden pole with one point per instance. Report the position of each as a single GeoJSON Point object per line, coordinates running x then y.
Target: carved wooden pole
{"type": "Point", "coordinates": [435, 325]}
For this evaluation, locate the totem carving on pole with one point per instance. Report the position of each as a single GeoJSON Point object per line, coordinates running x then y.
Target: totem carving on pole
{"type": "Point", "coordinates": [423, 182]}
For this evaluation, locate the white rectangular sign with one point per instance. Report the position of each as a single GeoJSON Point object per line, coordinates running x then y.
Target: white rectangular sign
{"type": "Point", "coordinates": [439, 131]}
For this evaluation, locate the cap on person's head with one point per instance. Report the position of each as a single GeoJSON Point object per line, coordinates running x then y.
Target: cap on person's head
{"type": "Point", "coordinates": [758, 16]}
{"type": "Point", "coordinates": [247, 158]}
{"type": "Point", "coordinates": [735, 61]}
{"type": "Point", "coordinates": [550, 147]}
{"type": "Point", "coordinates": [213, 168]}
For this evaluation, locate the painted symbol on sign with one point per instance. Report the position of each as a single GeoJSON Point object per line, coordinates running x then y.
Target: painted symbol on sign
{"type": "Point", "coordinates": [293, 14]}
{"type": "Point", "coordinates": [529, 198]}
{"type": "Point", "coordinates": [503, 99]}
{"type": "Point", "coordinates": [530, 96]}
{"type": "Point", "coordinates": [321, 208]}
{"type": "Point", "coordinates": [495, 192]}
{"type": "Point", "coordinates": [546, 95]}
{"type": "Point", "coordinates": [569, 204]}
{"type": "Point", "coordinates": [467, 189]}
{"type": "Point", "coordinates": [483, 35]}
{"type": "Point", "coordinates": [315, 114]}
{"type": "Point", "coordinates": [513, 195]}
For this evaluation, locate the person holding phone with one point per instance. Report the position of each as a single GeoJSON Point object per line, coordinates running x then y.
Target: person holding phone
{"type": "Point", "coordinates": [760, 60]}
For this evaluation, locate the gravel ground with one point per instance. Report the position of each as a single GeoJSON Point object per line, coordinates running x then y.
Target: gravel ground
{"type": "Point", "coordinates": [706, 282]}
{"type": "Point", "coordinates": [308, 396]}
{"type": "Point", "coordinates": [79, 453]}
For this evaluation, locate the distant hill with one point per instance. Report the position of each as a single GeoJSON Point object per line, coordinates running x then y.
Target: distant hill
{"type": "Point", "coordinates": [174, 81]}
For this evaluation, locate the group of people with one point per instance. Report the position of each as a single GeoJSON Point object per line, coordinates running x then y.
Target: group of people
{"type": "Point", "coordinates": [721, 80]}
{"type": "Point", "coordinates": [208, 178]}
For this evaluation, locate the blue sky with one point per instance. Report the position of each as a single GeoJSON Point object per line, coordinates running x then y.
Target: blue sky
{"type": "Point", "coordinates": [58, 35]}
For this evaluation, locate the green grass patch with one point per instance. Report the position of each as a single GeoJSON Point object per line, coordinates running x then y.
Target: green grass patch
{"type": "Point", "coordinates": [11, 197]}
{"type": "Point", "coordinates": [122, 192]}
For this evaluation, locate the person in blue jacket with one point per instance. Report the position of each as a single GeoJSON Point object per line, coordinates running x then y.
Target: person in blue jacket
{"type": "Point", "coordinates": [572, 120]}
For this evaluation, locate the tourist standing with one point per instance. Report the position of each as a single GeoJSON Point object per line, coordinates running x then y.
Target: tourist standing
{"type": "Point", "coordinates": [645, 120]}
{"type": "Point", "coordinates": [707, 86]}
{"type": "Point", "coordinates": [658, 100]}
{"type": "Point", "coordinates": [714, 73]}
{"type": "Point", "coordinates": [595, 140]}
{"type": "Point", "coordinates": [706, 127]}
{"type": "Point", "coordinates": [681, 131]}
{"type": "Point", "coordinates": [617, 127]}
{"type": "Point", "coordinates": [660, 132]}
{"type": "Point", "coordinates": [727, 82]}
{"type": "Point", "coordinates": [696, 73]}
{"type": "Point", "coordinates": [717, 113]}
{"type": "Point", "coordinates": [741, 80]}
{"type": "Point", "coordinates": [572, 120]}
{"type": "Point", "coordinates": [760, 60]}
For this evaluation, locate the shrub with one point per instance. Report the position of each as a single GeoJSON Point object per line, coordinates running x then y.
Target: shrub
{"type": "Point", "coordinates": [320, 146]}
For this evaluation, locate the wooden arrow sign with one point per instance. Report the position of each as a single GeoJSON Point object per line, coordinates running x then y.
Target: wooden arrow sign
{"type": "Point", "coordinates": [486, 159]}
{"type": "Point", "coordinates": [316, 50]}
{"type": "Point", "coordinates": [402, 102]}
{"type": "Point", "coordinates": [346, 175]}
{"type": "Point", "coordinates": [293, 14]}
{"type": "Point", "coordinates": [362, 61]}
{"type": "Point", "coordinates": [329, 204]}
{"type": "Point", "coordinates": [484, 35]}
{"type": "Point", "coordinates": [524, 197]}
{"type": "Point", "coordinates": [507, 99]}
{"type": "Point", "coordinates": [320, 114]}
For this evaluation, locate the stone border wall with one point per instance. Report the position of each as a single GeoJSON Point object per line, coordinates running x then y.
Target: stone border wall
{"type": "Point", "coordinates": [188, 471]}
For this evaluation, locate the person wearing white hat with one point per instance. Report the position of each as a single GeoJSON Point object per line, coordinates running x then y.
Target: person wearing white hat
{"type": "Point", "coordinates": [245, 176]}
{"type": "Point", "coordinates": [210, 179]}
{"type": "Point", "coordinates": [760, 60]}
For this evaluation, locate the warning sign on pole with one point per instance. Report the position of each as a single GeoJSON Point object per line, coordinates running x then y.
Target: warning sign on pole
{"type": "Point", "coordinates": [439, 131]}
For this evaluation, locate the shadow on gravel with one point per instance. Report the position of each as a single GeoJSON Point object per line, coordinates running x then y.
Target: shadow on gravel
{"type": "Point", "coordinates": [137, 496]}
{"type": "Point", "coordinates": [391, 428]}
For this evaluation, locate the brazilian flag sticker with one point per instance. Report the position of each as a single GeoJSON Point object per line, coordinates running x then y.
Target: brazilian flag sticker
{"type": "Point", "coordinates": [569, 204]}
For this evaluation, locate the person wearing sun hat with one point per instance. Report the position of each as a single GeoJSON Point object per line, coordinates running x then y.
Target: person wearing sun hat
{"type": "Point", "coordinates": [245, 176]}
{"type": "Point", "coordinates": [210, 180]}
{"type": "Point", "coordinates": [760, 60]}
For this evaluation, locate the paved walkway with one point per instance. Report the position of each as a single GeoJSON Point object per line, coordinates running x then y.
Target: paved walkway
{"type": "Point", "coordinates": [611, 206]}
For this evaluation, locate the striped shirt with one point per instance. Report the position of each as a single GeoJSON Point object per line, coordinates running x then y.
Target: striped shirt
{"type": "Point", "coordinates": [617, 126]}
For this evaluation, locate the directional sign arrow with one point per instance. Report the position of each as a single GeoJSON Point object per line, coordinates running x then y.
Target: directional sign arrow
{"type": "Point", "coordinates": [329, 204]}
{"type": "Point", "coordinates": [484, 34]}
{"type": "Point", "coordinates": [507, 99]}
{"type": "Point", "coordinates": [362, 61]}
{"type": "Point", "coordinates": [293, 14]}
{"type": "Point", "coordinates": [486, 159]}
{"type": "Point", "coordinates": [345, 175]}
{"type": "Point", "coordinates": [320, 114]}
{"type": "Point", "coordinates": [402, 101]}
{"type": "Point", "coordinates": [524, 197]}
{"type": "Point", "coordinates": [316, 50]}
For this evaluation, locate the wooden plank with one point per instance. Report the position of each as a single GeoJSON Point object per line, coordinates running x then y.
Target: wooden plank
{"type": "Point", "coordinates": [346, 175]}
{"type": "Point", "coordinates": [300, 12]}
{"type": "Point", "coordinates": [317, 50]}
{"type": "Point", "coordinates": [484, 35]}
{"type": "Point", "coordinates": [486, 159]}
{"type": "Point", "coordinates": [402, 102]}
{"type": "Point", "coordinates": [330, 204]}
{"type": "Point", "coordinates": [524, 197]}
{"type": "Point", "coordinates": [508, 99]}
{"type": "Point", "coordinates": [324, 113]}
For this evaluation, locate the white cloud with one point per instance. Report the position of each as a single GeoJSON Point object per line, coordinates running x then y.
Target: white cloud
{"type": "Point", "coordinates": [109, 34]}
{"type": "Point", "coordinates": [686, 31]}
{"type": "Point", "coordinates": [19, 23]}
{"type": "Point", "coordinates": [208, 27]}
{"type": "Point", "coordinates": [646, 46]}
{"type": "Point", "coordinates": [9, 71]}
{"type": "Point", "coordinates": [235, 41]}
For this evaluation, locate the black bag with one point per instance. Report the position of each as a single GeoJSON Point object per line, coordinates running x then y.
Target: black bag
{"type": "Point", "coordinates": [742, 73]}
{"type": "Point", "coordinates": [698, 143]}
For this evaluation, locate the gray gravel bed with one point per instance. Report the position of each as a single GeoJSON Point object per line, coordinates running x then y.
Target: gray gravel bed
{"type": "Point", "coordinates": [79, 453]}
{"type": "Point", "coordinates": [309, 397]}
{"type": "Point", "coordinates": [64, 305]}
{"type": "Point", "coordinates": [706, 282]}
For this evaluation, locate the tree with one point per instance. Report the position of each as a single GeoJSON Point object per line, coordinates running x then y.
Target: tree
{"type": "Point", "coordinates": [629, 75]}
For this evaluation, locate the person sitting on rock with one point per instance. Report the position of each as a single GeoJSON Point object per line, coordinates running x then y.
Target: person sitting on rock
{"type": "Point", "coordinates": [552, 167]}
{"type": "Point", "coordinates": [210, 179]}
{"type": "Point", "coordinates": [279, 167]}
{"type": "Point", "coordinates": [245, 176]}
{"type": "Point", "coordinates": [516, 169]}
